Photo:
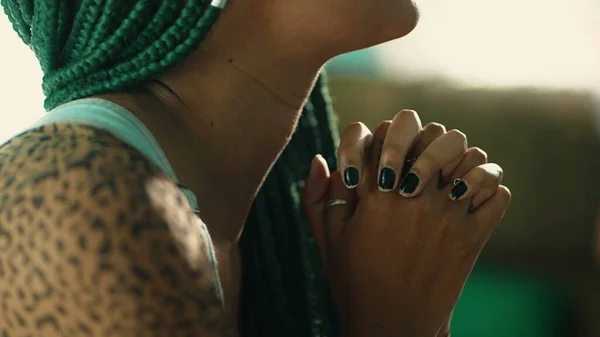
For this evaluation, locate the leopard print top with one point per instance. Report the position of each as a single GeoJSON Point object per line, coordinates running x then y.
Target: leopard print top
{"type": "Point", "coordinates": [96, 241]}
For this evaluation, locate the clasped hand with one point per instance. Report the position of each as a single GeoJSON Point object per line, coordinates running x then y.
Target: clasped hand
{"type": "Point", "coordinates": [401, 224]}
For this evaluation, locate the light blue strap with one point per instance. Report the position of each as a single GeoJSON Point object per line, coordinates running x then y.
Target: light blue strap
{"type": "Point", "coordinates": [113, 118]}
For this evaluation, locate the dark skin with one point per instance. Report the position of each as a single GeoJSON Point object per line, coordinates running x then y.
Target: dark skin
{"type": "Point", "coordinates": [259, 72]}
{"type": "Point", "coordinates": [421, 244]}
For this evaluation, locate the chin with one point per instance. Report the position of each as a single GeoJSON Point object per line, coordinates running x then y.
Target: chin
{"type": "Point", "coordinates": [394, 21]}
{"type": "Point", "coordinates": [406, 19]}
{"type": "Point", "coordinates": [363, 26]}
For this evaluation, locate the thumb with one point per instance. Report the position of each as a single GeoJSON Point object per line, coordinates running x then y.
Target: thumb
{"type": "Point", "coordinates": [313, 199]}
{"type": "Point", "coordinates": [338, 213]}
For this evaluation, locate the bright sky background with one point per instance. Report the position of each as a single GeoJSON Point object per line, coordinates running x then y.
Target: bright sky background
{"type": "Point", "coordinates": [550, 43]}
{"type": "Point", "coordinates": [554, 43]}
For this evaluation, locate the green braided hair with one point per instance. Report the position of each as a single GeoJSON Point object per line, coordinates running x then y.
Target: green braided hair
{"type": "Point", "coordinates": [87, 47]}
{"type": "Point", "coordinates": [90, 47]}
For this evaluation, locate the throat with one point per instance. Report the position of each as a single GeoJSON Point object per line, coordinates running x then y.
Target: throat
{"type": "Point", "coordinates": [223, 142]}
{"type": "Point", "coordinates": [222, 125]}
{"type": "Point", "coordinates": [223, 116]}
{"type": "Point", "coordinates": [222, 153]}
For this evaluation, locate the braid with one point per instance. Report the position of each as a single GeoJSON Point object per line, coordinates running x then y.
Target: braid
{"type": "Point", "coordinates": [89, 47]}
{"type": "Point", "coordinates": [15, 15]}
{"type": "Point", "coordinates": [85, 46]}
{"type": "Point", "coordinates": [277, 244]}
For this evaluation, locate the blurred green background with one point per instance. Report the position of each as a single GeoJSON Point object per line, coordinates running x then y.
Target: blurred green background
{"type": "Point", "coordinates": [538, 276]}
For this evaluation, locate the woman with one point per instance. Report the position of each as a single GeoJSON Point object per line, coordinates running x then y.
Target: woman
{"type": "Point", "coordinates": [100, 240]}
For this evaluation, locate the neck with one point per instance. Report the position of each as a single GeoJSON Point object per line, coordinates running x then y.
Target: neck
{"type": "Point", "coordinates": [222, 117]}
{"type": "Point", "coordinates": [232, 108]}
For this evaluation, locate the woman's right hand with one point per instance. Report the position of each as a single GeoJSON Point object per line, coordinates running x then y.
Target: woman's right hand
{"type": "Point", "coordinates": [400, 250]}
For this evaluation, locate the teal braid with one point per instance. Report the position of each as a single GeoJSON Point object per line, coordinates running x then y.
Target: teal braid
{"type": "Point", "coordinates": [90, 47]}
{"type": "Point", "coordinates": [277, 243]}
{"type": "Point", "coordinates": [15, 14]}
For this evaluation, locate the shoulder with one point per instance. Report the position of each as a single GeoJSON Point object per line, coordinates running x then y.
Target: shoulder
{"type": "Point", "coordinates": [89, 225]}
{"type": "Point", "coordinates": [80, 161]}
{"type": "Point", "coordinates": [64, 148]}
{"type": "Point", "coordinates": [66, 166]}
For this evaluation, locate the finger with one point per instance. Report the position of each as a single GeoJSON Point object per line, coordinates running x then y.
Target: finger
{"type": "Point", "coordinates": [375, 153]}
{"type": "Point", "coordinates": [490, 213]}
{"type": "Point", "coordinates": [442, 151]}
{"type": "Point", "coordinates": [471, 159]}
{"type": "Point", "coordinates": [429, 133]}
{"type": "Point", "coordinates": [461, 166]}
{"type": "Point", "coordinates": [336, 216]}
{"type": "Point", "coordinates": [354, 145]}
{"type": "Point", "coordinates": [313, 198]}
{"type": "Point", "coordinates": [479, 184]}
{"type": "Point", "coordinates": [399, 140]}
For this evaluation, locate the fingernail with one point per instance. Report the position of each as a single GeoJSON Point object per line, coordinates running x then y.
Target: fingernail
{"type": "Point", "coordinates": [459, 189]}
{"type": "Point", "coordinates": [351, 177]}
{"type": "Point", "coordinates": [387, 177]}
{"type": "Point", "coordinates": [409, 184]}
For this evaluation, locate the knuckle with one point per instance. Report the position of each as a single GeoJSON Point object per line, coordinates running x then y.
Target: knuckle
{"type": "Point", "coordinates": [357, 127]}
{"type": "Point", "coordinates": [477, 155]}
{"type": "Point", "coordinates": [407, 113]}
{"type": "Point", "coordinates": [382, 128]}
{"type": "Point", "coordinates": [408, 118]}
{"type": "Point", "coordinates": [353, 135]}
{"type": "Point", "coordinates": [392, 157]}
{"type": "Point", "coordinates": [476, 177]}
{"type": "Point", "coordinates": [435, 128]}
{"type": "Point", "coordinates": [425, 164]}
{"type": "Point", "coordinates": [504, 194]}
{"type": "Point", "coordinates": [406, 121]}
{"type": "Point", "coordinates": [486, 175]}
{"type": "Point", "coordinates": [458, 136]}
{"type": "Point", "coordinates": [353, 131]}
{"type": "Point", "coordinates": [493, 172]}
{"type": "Point", "coordinates": [499, 171]}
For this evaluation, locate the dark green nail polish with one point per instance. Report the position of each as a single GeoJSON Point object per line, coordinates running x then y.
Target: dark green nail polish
{"type": "Point", "coordinates": [387, 177]}
{"type": "Point", "coordinates": [410, 183]}
{"type": "Point", "coordinates": [458, 190]}
{"type": "Point", "coordinates": [351, 177]}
